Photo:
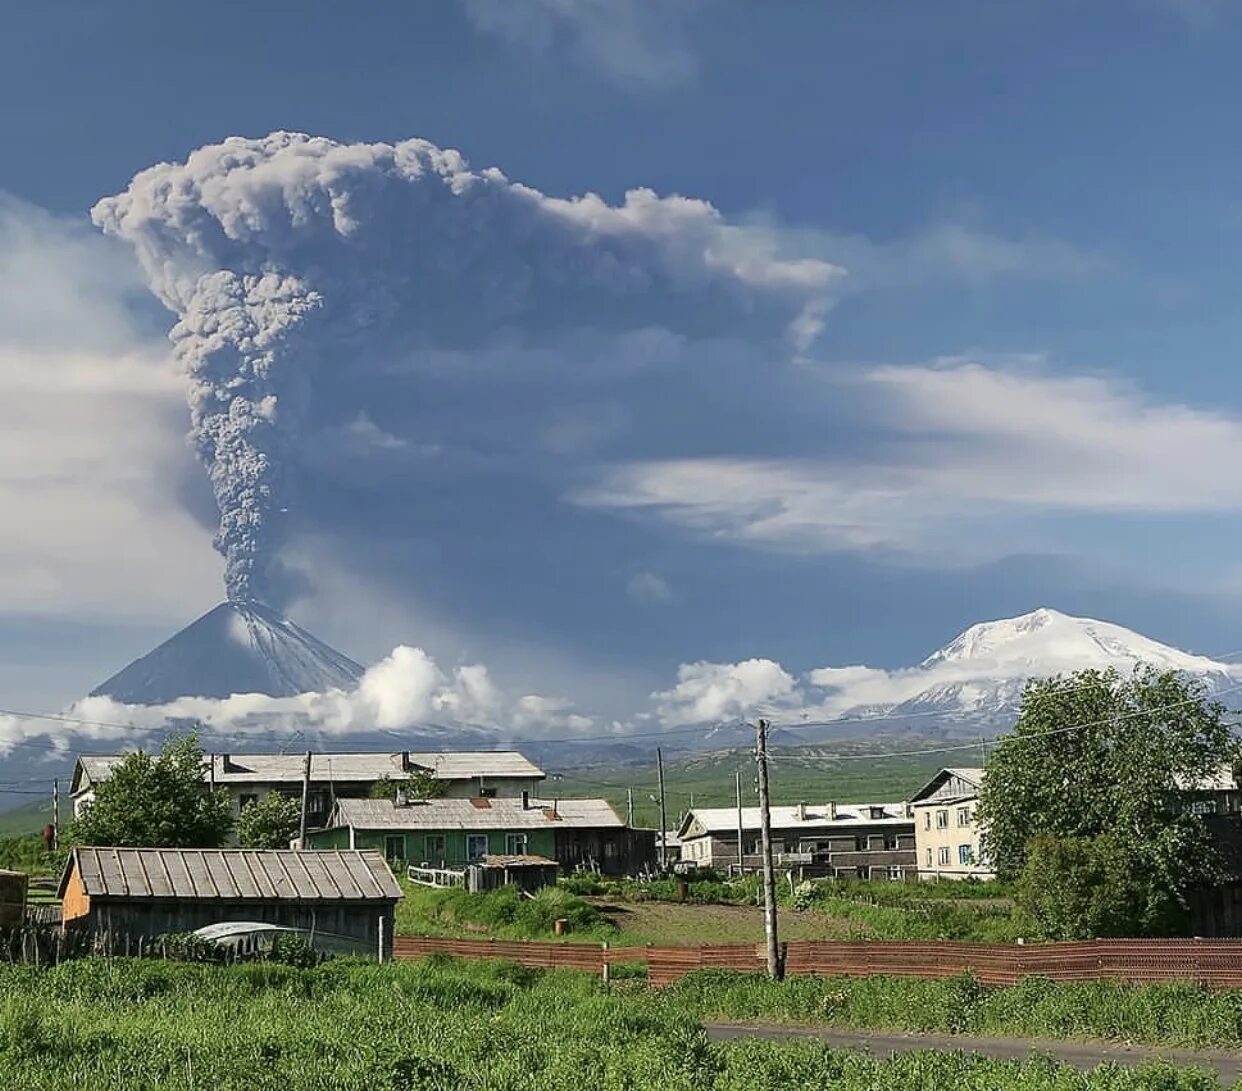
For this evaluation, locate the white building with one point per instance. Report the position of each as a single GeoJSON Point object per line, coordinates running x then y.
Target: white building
{"type": "Point", "coordinates": [949, 843]}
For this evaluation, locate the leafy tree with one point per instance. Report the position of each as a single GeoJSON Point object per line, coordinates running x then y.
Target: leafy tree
{"type": "Point", "coordinates": [156, 801]}
{"type": "Point", "coordinates": [271, 824]}
{"type": "Point", "coordinates": [1110, 793]}
{"type": "Point", "coordinates": [420, 784]}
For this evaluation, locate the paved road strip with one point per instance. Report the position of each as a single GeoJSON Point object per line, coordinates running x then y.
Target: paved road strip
{"type": "Point", "coordinates": [1082, 1055]}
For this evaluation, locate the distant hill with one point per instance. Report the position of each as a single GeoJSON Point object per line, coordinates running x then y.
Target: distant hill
{"type": "Point", "coordinates": [29, 817]}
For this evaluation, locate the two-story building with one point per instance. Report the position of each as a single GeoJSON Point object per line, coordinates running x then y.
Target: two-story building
{"type": "Point", "coordinates": [830, 840]}
{"type": "Point", "coordinates": [248, 778]}
{"type": "Point", "coordinates": [948, 840]}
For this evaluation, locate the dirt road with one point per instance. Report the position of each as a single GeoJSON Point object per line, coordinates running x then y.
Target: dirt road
{"type": "Point", "coordinates": [1082, 1055]}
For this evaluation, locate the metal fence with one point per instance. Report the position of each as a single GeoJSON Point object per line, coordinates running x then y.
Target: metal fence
{"type": "Point", "coordinates": [1213, 963]}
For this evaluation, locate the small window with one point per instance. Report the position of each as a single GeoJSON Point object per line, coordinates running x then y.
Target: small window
{"type": "Point", "coordinates": [515, 844]}
{"type": "Point", "coordinates": [929, 858]}
{"type": "Point", "coordinates": [394, 846]}
{"type": "Point", "coordinates": [877, 812]}
{"type": "Point", "coordinates": [433, 848]}
{"type": "Point", "coordinates": [476, 846]}
{"type": "Point", "coordinates": [875, 841]}
{"type": "Point", "coordinates": [965, 855]}
{"type": "Point", "coordinates": [927, 820]}
{"type": "Point", "coordinates": [942, 820]}
{"type": "Point", "coordinates": [963, 816]}
{"type": "Point", "coordinates": [942, 855]}
{"type": "Point", "coordinates": [245, 800]}
{"type": "Point", "coordinates": [610, 849]}
{"type": "Point", "coordinates": [894, 871]}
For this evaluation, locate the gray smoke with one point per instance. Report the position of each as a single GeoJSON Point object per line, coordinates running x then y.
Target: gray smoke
{"type": "Point", "coordinates": [290, 254]}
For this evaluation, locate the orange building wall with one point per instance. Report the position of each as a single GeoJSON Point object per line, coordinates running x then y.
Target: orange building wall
{"type": "Point", "coordinates": [76, 903]}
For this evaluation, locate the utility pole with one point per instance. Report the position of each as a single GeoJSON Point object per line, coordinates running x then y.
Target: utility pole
{"type": "Point", "coordinates": [629, 807]}
{"type": "Point", "coordinates": [769, 875]}
{"type": "Point", "coordinates": [663, 813]}
{"type": "Point", "coordinates": [306, 774]}
{"type": "Point", "coordinates": [741, 860]}
{"type": "Point", "coordinates": [56, 813]}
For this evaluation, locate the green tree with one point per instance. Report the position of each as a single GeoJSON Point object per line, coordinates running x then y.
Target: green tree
{"type": "Point", "coordinates": [420, 784]}
{"type": "Point", "coordinates": [270, 824]}
{"type": "Point", "coordinates": [1100, 764]}
{"type": "Point", "coordinates": [156, 801]}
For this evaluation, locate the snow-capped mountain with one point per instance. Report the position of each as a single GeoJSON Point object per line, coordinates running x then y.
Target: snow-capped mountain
{"type": "Point", "coordinates": [235, 648]}
{"type": "Point", "coordinates": [982, 671]}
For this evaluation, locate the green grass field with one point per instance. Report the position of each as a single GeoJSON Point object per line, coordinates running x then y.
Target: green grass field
{"type": "Point", "coordinates": [26, 819]}
{"type": "Point", "coordinates": [439, 1025]}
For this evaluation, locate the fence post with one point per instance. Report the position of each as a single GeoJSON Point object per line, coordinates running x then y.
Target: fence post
{"type": "Point", "coordinates": [607, 964]}
{"type": "Point", "coordinates": [381, 939]}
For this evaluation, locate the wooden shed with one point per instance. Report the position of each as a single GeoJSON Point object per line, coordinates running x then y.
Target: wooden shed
{"type": "Point", "coordinates": [151, 892]}
{"type": "Point", "coordinates": [12, 899]}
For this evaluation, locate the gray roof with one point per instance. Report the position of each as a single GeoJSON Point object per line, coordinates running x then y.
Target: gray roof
{"type": "Point", "coordinates": [472, 814]}
{"type": "Point", "coordinates": [233, 875]}
{"type": "Point", "coordinates": [971, 774]}
{"type": "Point", "coordinates": [809, 818]}
{"type": "Point", "coordinates": [288, 768]}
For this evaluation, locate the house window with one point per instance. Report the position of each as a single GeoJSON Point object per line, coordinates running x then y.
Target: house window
{"type": "Point", "coordinates": [246, 799]}
{"type": "Point", "coordinates": [929, 857]}
{"type": "Point", "coordinates": [433, 848]}
{"type": "Point", "coordinates": [515, 844]}
{"type": "Point", "coordinates": [927, 820]}
{"type": "Point", "coordinates": [394, 846]}
{"type": "Point", "coordinates": [965, 855]}
{"type": "Point", "coordinates": [476, 846]}
{"type": "Point", "coordinates": [875, 841]}
{"type": "Point", "coordinates": [963, 816]}
{"type": "Point", "coordinates": [894, 871]}
{"type": "Point", "coordinates": [892, 842]}
{"type": "Point", "coordinates": [942, 820]}
{"type": "Point", "coordinates": [877, 812]}
{"type": "Point", "coordinates": [610, 849]}
{"type": "Point", "coordinates": [1203, 806]}
{"type": "Point", "coordinates": [942, 855]}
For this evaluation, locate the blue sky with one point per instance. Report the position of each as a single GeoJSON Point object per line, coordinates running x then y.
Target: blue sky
{"type": "Point", "coordinates": [1022, 393]}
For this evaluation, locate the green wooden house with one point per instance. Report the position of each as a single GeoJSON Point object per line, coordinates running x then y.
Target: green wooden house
{"type": "Point", "coordinates": [451, 833]}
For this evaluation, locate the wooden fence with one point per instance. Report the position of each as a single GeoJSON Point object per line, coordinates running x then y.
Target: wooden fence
{"type": "Point", "coordinates": [1214, 963]}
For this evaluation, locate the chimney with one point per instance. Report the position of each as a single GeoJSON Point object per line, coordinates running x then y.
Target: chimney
{"type": "Point", "coordinates": [525, 800]}
{"type": "Point", "coordinates": [832, 812]}
{"type": "Point", "coordinates": [224, 763]}
{"type": "Point", "coordinates": [801, 812]}
{"type": "Point", "coordinates": [407, 766]}
{"type": "Point", "coordinates": [907, 810]}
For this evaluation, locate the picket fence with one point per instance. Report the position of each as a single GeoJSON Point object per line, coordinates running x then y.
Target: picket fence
{"type": "Point", "coordinates": [1213, 963]}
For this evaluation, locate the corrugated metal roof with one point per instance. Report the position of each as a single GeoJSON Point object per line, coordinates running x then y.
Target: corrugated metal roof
{"type": "Point", "coordinates": [462, 814]}
{"type": "Point", "coordinates": [811, 818]}
{"type": "Point", "coordinates": [287, 768]}
{"type": "Point", "coordinates": [233, 874]}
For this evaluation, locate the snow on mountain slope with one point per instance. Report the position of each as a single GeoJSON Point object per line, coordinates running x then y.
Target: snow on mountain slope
{"type": "Point", "coordinates": [985, 668]}
{"type": "Point", "coordinates": [235, 648]}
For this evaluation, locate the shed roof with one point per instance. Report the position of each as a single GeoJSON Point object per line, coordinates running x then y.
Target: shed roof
{"type": "Point", "coordinates": [232, 875]}
{"type": "Point", "coordinates": [472, 814]}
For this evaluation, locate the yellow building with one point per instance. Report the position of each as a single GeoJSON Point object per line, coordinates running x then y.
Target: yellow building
{"type": "Point", "coordinates": [947, 837]}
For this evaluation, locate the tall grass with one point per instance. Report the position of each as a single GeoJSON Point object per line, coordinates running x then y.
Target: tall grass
{"type": "Point", "coordinates": [351, 1026]}
{"type": "Point", "coordinates": [505, 913]}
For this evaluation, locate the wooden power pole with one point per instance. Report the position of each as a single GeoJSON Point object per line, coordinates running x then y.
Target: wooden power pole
{"type": "Point", "coordinates": [741, 852]}
{"type": "Point", "coordinates": [56, 813]}
{"type": "Point", "coordinates": [629, 807]}
{"type": "Point", "coordinates": [306, 777]}
{"type": "Point", "coordinates": [769, 874]}
{"type": "Point", "coordinates": [663, 813]}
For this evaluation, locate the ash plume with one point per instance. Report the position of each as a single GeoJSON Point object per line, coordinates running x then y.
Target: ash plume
{"type": "Point", "coordinates": [286, 257]}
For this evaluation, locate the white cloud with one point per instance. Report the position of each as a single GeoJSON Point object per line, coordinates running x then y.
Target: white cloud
{"type": "Point", "coordinates": [967, 448]}
{"type": "Point", "coordinates": [630, 41]}
{"type": "Point", "coordinates": [647, 587]}
{"type": "Point", "coordinates": [91, 428]}
{"type": "Point", "coordinates": [709, 692]}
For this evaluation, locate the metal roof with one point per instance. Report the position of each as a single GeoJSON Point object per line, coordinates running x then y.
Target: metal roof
{"type": "Point", "coordinates": [972, 775]}
{"type": "Point", "coordinates": [473, 814]}
{"type": "Point", "coordinates": [232, 875]}
{"type": "Point", "coordinates": [809, 818]}
{"type": "Point", "coordinates": [288, 768]}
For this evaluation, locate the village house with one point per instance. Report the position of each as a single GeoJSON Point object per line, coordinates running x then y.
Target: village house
{"type": "Point", "coordinates": [831, 840]}
{"type": "Point", "coordinates": [452, 832]}
{"type": "Point", "coordinates": [248, 778]}
{"type": "Point", "coordinates": [144, 893]}
{"type": "Point", "coordinates": [949, 842]}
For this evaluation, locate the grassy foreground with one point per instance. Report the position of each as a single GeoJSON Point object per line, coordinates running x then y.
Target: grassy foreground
{"type": "Point", "coordinates": [353, 1026]}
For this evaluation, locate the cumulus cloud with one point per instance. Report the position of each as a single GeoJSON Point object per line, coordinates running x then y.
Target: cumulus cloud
{"type": "Point", "coordinates": [648, 587]}
{"type": "Point", "coordinates": [404, 691]}
{"type": "Point", "coordinates": [960, 448]}
{"type": "Point", "coordinates": [292, 262]}
{"type": "Point", "coordinates": [710, 692]}
{"type": "Point", "coordinates": [634, 42]}
{"type": "Point", "coordinates": [91, 437]}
